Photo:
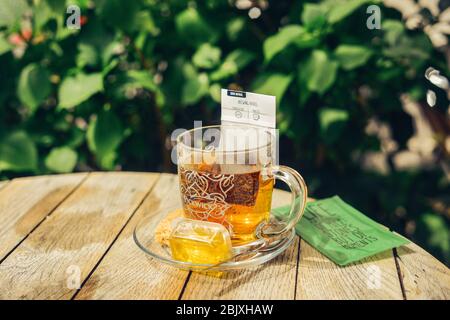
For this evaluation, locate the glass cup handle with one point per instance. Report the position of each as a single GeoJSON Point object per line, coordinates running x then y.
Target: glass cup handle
{"type": "Point", "coordinates": [299, 193]}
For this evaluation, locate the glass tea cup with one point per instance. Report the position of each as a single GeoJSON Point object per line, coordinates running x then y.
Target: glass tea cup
{"type": "Point", "coordinates": [227, 174]}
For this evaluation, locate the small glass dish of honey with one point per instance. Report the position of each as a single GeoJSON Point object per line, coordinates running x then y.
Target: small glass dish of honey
{"type": "Point", "coordinates": [198, 245]}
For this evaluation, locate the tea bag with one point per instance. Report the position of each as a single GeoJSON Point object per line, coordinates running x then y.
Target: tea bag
{"type": "Point", "coordinates": [240, 110]}
{"type": "Point", "coordinates": [199, 241]}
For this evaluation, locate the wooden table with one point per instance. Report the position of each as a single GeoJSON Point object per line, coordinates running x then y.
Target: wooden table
{"type": "Point", "coordinates": [70, 237]}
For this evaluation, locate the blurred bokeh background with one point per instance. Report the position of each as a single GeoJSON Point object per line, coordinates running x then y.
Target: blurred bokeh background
{"type": "Point", "coordinates": [356, 114]}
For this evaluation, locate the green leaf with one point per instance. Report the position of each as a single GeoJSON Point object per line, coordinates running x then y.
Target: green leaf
{"type": "Point", "coordinates": [96, 45]}
{"type": "Point", "coordinates": [34, 86]}
{"type": "Point", "coordinates": [407, 49]}
{"type": "Point", "coordinates": [233, 63]}
{"type": "Point", "coordinates": [145, 23]}
{"type": "Point", "coordinates": [214, 92]}
{"type": "Point", "coordinates": [142, 79]}
{"type": "Point", "coordinates": [58, 6]}
{"type": "Point", "coordinates": [438, 234]}
{"type": "Point", "coordinates": [352, 56]}
{"type": "Point", "coordinates": [235, 27]}
{"type": "Point", "coordinates": [319, 72]}
{"type": "Point", "coordinates": [308, 40]}
{"type": "Point", "coordinates": [274, 84]}
{"type": "Point", "coordinates": [56, 49]}
{"type": "Point", "coordinates": [76, 137]}
{"type": "Point", "coordinates": [42, 13]}
{"type": "Point", "coordinates": [83, 4]}
{"type": "Point", "coordinates": [17, 152]}
{"type": "Point", "coordinates": [393, 30]}
{"type": "Point", "coordinates": [77, 89]}
{"type": "Point", "coordinates": [279, 41]}
{"type": "Point", "coordinates": [196, 85]}
{"type": "Point", "coordinates": [105, 134]}
{"type": "Point", "coordinates": [191, 27]}
{"type": "Point", "coordinates": [11, 12]}
{"type": "Point", "coordinates": [206, 56]}
{"type": "Point", "coordinates": [108, 161]}
{"type": "Point", "coordinates": [134, 79]}
{"type": "Point", "coordinates": [343, 9]}
{"type": "Point", "coordinates": [4, 45]}
{"type": "Point", "coordinates": [119, 14]}
{"type": "Point", "coordinates": [314, 15]}
{"type": "Point", "coordinates": [87, 55]}
{"type": "Point", "coordinates": [332, 121]}
{"type": "Point", "coordinates": [61, 160]}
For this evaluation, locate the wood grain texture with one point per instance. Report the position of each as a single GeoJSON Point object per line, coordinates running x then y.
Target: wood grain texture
{"type": "Point", "coordinates": [89, 230]}
{"type": "Point", "coordinates": [424, 277]}
{"type": "Point", "coordinates": [320, 278]}
{"type": "Point", "coordinates": [66, 246]}
{"type": "Point", "coordinates": [3, 184]}
{"type": "Point", "coordinates": [272, 280]}
{"type": "Point", "coordinates": [126, 272]}
{"type": "Point", "coordinates": [25, 202]}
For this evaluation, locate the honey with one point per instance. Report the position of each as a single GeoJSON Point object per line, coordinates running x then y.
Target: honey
{"type": "Point", "coordinates": [200, 242]}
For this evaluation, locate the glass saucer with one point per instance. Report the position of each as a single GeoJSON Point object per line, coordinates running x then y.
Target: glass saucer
{"type": "Point", "coordinates": [144, 236]}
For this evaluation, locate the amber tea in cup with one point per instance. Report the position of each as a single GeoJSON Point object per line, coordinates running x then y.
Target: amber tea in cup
{"type": "Point", "coordinates": [237, 196]}
{"type": "Point", "coordinates": [227, 176]}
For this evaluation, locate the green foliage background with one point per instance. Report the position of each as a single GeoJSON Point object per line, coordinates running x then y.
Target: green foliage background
{"type": "Point", "coordinates": [107, 97]}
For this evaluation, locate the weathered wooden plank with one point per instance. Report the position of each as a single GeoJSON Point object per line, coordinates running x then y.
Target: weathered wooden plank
{"type": "Point", "coordinates": [272, 280]}
{"type": "Point", "coordinates": [128, 273]}
{"type": "Point", "coordinates": [373, 278]}
{"type": "Point", "coordinates": [3, 184]}
{"type": "Point", "coordinates": [424, 277]}
{"type": "Point", "coordinates": [81, 230]}
{"type": "Point", "coordinates": [58, 255]}
{"type": "Point", "coordinates": [25, 202]}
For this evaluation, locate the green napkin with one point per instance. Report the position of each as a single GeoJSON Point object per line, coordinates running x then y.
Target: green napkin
{"type": "Point", "coordinates": [341, 232]}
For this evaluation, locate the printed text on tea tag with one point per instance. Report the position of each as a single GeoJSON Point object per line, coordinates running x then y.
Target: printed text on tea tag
{"type": "Point", "coordinates": [248, 108]}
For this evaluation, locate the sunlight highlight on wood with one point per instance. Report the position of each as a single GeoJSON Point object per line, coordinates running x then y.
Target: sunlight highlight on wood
{"type": "Point", "coordinates": [71, 236]}
{"type": "Point", "coordinates": [128, 273]}
{"type": "Point", "coordinates": [24, 203]}
{"type": "Point", "coordinates": [373, 278]}
{"type": "Point", "coordinates": [423, 276]}
{"type": "Point", "coordinates": [73, 239]}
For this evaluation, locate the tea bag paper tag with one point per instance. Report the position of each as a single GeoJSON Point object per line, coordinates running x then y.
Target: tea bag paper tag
{"type": "Point", "coordinates": [248, 108]}
{"type": "Point", "coordinates": [252, 109]}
